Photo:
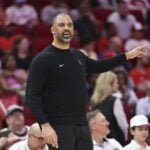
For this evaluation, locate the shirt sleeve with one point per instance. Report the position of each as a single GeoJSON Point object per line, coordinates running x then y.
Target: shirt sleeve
{"type": "Point", "coordinates": [120, 117]}
{"type": "Point", "coordinates": [99, 66]}
{"type": "Point", "coordinates": [35, 84]}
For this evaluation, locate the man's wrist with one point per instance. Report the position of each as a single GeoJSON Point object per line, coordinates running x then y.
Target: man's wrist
{"type": "Point", "coordinates": [128, 55]}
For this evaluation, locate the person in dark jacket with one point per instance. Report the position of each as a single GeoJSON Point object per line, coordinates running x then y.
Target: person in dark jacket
{"type": "Point", "coordinates": [110, 106]}
{"type": "Point", "coordinates": [56, 87]}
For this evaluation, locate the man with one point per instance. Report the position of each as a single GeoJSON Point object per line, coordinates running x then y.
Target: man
{"type": "Point", "coordinates": [34, 141]}
{"type": "Point", "coordinates": [139, 129]}
{"type": "Point", "coordinates": [99, 128]}
{"type": "Point", "coordinates": [16, 130]}
{"type": "Point", "coordinates": [123, 20]}
{"type": "Point", "coordinates": [56, 88]}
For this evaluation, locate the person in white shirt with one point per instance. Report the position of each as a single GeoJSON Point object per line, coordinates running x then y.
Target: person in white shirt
{"type": "Point", "coordinates": [99, 128]}
{"type": "Point", "coordinates": [139, 129]}
{"type": "Point", "coordinates": [137, 39]}
{"type": "Point", "coordinates": [21, 14]}
{"type": "Point", "coordinates": [34, 141]}
{"type": "Point", "coordinates": [123, 20]}
{"type": "Point", "coordinates": [143, 105]}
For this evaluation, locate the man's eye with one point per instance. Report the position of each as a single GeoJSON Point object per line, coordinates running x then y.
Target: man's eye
{"type": "Point", "coordinates": [61, 25]}
{"type": "Point", "coordinates": [70, 25]}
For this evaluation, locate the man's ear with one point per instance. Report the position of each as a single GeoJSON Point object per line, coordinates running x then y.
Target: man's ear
{"type": "Point", "coordinates": [52, 30]}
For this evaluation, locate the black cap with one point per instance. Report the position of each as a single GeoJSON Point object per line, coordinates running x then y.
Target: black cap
{"type": "Point", "coordinates": [12, 108]}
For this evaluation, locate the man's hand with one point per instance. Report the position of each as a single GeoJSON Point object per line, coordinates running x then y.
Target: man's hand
{"type": "Point", "coordinates": [137, 52]}
{"type": "Point", "coordinates": [49, 135]}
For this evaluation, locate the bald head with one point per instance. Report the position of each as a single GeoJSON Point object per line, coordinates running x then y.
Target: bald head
{"type": "Point", "coordinates": [61, 17]}
{"type": "Point", "coordinates": [35, 130]}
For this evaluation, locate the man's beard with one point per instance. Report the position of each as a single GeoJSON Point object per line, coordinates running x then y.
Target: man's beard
{"type": "Point", "coordinates": [66, 37]}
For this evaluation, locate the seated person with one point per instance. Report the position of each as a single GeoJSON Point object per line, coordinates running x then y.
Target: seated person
{"type": "Point", "coordinates": [16, 130]}
{"type": "Point", "coordinates": [99, 128]}
{"type": "Point", "coordinates": [139, 129]}
{"type": "Point", "coordinates": [34, 140]}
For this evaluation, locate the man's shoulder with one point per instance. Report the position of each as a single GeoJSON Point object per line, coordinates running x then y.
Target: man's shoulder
{"type": "Point", "coordinates": [114, 143]}
{"type": "Point", "coordinates": [113, 15]}
{"type": "Point", "coordinates": [46, 52]}
{"type": "Point", "coordinates": [77, 52]}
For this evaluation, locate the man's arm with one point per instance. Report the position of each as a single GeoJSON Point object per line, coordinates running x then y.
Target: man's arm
{"type": "Point", "coordinates": [100, 66]}
{"type": "Point", "coordinates": [35, 83]}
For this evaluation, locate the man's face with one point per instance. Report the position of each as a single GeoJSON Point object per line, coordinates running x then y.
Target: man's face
{"type": "Point", "coordinates": [102, 125]}
{"type": "Point", "coordinates": [37, 142]}
{"type": "Point", "coordinates": [140, 133]}
{"type": "Point", "coordinates": [15, 120]}
{"type": "Point", "coordinates": [123, 9]}
{"type": "Point", "coordinates": [62, 29]}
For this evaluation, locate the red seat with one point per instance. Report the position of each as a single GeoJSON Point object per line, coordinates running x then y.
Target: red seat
{"type": "Point", "coordinates": [10, 98]}
{"type": "Point", "coordinates": [21, 30]}
{"type": "Point", "coordinates": [42, 30]}
{"type": "Point", "coordinates": [102, 14]}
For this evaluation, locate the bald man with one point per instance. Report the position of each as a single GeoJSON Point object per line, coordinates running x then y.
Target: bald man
{"type": "Point", "coordinates": [35, 140]}
{"type": "Point", "coordinates": [56, 87]}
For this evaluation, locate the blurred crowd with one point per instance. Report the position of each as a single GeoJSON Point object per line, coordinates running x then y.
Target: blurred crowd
{"type": "Point", "coordinates": [103, 29]}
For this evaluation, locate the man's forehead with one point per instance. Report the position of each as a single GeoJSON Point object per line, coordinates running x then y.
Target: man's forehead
{"type": "Point", "coordinates": [62, 18]}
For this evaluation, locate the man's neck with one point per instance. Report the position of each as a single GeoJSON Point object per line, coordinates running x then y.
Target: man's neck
{"type": "Point", "coordinates": [20, 130]}
{"type": "Point", "coordinates": [99, 139]}
{"type": "Point", "coordinates": [62, 46]}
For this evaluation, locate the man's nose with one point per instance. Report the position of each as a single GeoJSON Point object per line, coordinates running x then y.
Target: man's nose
{"type": "Point", "coordinates": [66, 27]}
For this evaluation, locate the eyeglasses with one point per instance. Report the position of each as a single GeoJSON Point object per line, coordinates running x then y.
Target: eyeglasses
{"type": "Point", "coordinates": [39, 138]}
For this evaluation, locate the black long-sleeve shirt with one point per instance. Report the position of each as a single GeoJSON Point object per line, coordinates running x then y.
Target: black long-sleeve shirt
{"type": "Point", "coordinates": [56, 86]}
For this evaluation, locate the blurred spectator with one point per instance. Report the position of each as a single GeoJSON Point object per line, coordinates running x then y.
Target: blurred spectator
{"type": "Point", "coordinates": [127, 94]}
{"type": "Point", "coordinates": [50, 11]}
{"type": "Point", "coordinates": [109, 31]}
{"type": "Point", "coordinates": [137, 38]}
{"type": "Point", "coordinates": [99, 127]}
{"type": "Point", "coordinates": [22, 52]}
{"type": "Point", "coordinates": [87, 24]}
{"type": "Point", "coordinates": [126, 85]}
{"type": "Point", "coordinates": [21, 13]}
{"type": "Point", "coordinates": [16, 129]}
{"type": "Point", "coordinates": [108, 4]}
{"type": "Point", "coordinates": [15, 79]}
{"type": "Point", "coordinates": [91, 80]}
{"type": "Point", "coordinates": [140, 74]}
{"type": "Point", "coordinates": [34, 141]}
{"type": "Point", "coordinates": [139, 129]}
{"type": "Point", "coordinates": [110, 106]}
{"type": "Point", "coordinates": [116, 44]}
{"type": "Point", "coordinates": [123, 20]}
{"type": "Point", "coordinates": [7, 39]}
{"type": "Point", "coordinates": [88, 47]}
{"type": "Point", "coordinates": [142, 5]}
{"type": "Point", "coordinates": [143, 104]}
